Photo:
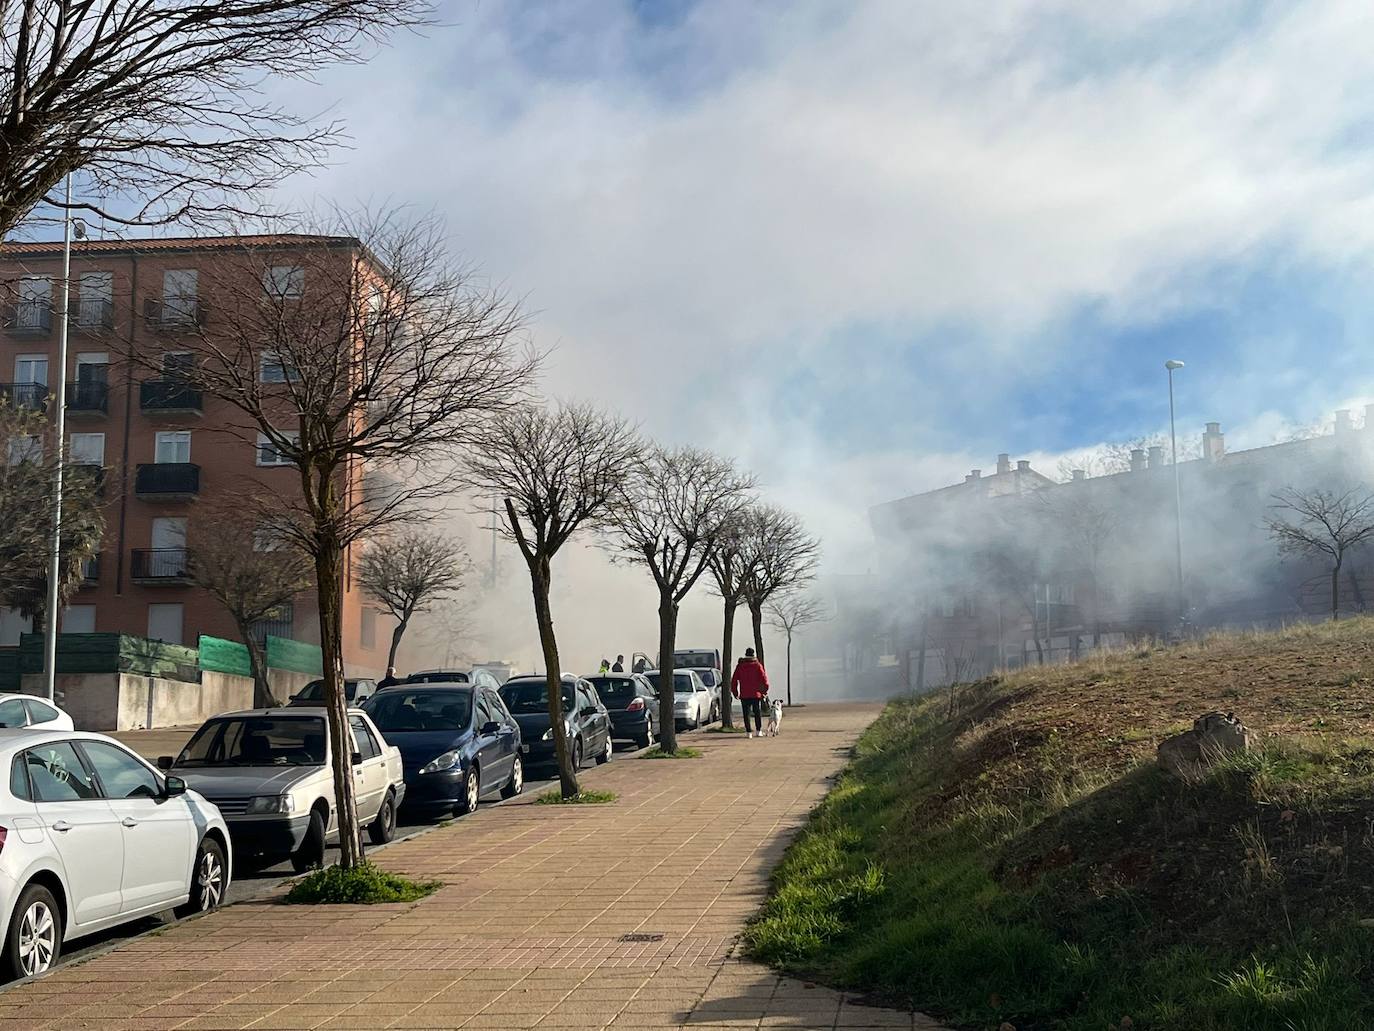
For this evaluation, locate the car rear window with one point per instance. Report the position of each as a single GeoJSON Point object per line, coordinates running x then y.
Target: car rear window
{"type": "Point", "coordinates": [524, 697]}
{"type": "Point", "coordinates": [614, 689]}
{"type": "Point", "coordinates": [400, 710]}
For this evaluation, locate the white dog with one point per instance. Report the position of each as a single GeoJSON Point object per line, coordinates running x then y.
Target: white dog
{"type": "Point", "coordinates": [775, 717]}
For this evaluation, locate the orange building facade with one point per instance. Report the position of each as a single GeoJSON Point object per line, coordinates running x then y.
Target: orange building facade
{"type": "Point", "coordinates": [165, 447]}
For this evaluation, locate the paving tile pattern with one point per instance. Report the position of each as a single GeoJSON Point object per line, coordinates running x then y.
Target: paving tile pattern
{"type": "Point", "coordinates": [529, 930]}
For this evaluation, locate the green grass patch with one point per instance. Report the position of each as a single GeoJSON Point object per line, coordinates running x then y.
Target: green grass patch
{"type": "Point", "coordinates": [724, 730]}
{"type": "Point", "coordinates": [555, 797]}
{"type": "Point", "coordinates": [363, 885]}
{"type": "Point", "coordinates": [683, 752]}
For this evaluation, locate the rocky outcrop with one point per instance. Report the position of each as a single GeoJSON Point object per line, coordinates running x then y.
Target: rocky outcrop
{"type": "Point", "coordinates": [1189, 755]}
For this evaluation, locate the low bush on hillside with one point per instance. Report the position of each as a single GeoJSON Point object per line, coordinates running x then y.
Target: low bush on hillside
{"type": "Point", "coordinates": [1012, 854]}
{"type": "Point", "coordinates": [365, 884]}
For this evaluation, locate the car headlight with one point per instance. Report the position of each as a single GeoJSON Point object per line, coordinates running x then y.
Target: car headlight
{"type": "Point", "coordinates": [261, 804]}
{"type": "Point", "coordinates": [548, 735]}
{"type": "Point", "coordinates": [447, 761]}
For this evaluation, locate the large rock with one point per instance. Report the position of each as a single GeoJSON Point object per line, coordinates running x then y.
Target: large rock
{"type": "Point", "coordinates": [1215, 735]}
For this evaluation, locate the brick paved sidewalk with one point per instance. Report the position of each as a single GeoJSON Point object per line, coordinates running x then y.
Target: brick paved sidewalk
{"type": "Point", "coordinates": [681, 860]}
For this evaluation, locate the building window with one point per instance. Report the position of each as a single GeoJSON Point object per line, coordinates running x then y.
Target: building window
{"type": "Point", "coordinates": [78, 619]}
{"type": "Point", "coordinates": [95, 299]}
{"type": "Point", "coordinates": [35, 303]}
{"type": "Point", "coordinates": [173, 446]}
{"type": "Point", "coordinates": [25, 449]}
{"type": "Point", "coordinates": [272, 369]}
{"type": "Point", "coordinates": [165, 622]}
{"type": "Point", "coordinates": [180, 295]}
{"type": "Point", "coordinates": [86, 449]}
{"type": "Point", "coordinates": [270, 454]}
{"type": "Point", "coordinates": [278, 623]}
{"type": "Point", "coordinates": [284, 282]}
{"type": "Point", "coordinates": [368, 636]}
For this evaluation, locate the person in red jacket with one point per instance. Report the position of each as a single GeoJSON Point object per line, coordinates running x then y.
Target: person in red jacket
{"type": "Point", "coordinates": [750, 686]}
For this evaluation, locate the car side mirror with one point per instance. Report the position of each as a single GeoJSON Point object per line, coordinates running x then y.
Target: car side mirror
{"type": "Point", "coordinates": [293, 697]}
{"type": "Point", "coordinates": [490, 727]}
{"type": "Point", "coordinates": [173, 786]}
{"type": "Point", "coordinates": [164, 762]}
{"type": "Point", "coordinates": [357, 758]}
{"type": "Point", "coordinates": [589, 710]}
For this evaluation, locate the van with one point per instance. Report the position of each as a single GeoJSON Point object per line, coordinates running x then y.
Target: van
{"type": "Point", "coordinates": [696, 658]}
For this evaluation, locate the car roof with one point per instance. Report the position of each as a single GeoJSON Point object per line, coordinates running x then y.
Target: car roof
{"type": "Point", "coordinates": [20, 737]}
{"type": "Point", "coordinates": [291, 711]}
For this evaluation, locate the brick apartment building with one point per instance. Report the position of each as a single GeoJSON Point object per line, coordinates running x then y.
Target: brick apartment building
{"type": "Point", "coordinates": [163, 446]}
{"type": "Point", "coordinates": [1014, 568]}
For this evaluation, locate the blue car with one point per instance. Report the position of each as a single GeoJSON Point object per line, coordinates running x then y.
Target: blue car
{"type": "Point", "coordinates": [457, 742]}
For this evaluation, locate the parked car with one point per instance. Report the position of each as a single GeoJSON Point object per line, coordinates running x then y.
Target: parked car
{"type": "Point", "coordinates": [93, 837]}
{"type": "Point", "coordinates": [457, 743]}
{"type": "Point", "coordinates": [268, 771]}
{"type": "Point", "coordinates": [632, 703]}
{"type": "Point", "coordinates": [21, 710]}
{"type": "Point", "coordinates": [696, 658]}
{"type": "Point", "coordinates": [356, 690]}
{"type": "Point", "coordinates": [715, 683]}
{"type": "Point", "coordinates": [691, 698]}
{"type": "Point", "coordinates": [587, 723]}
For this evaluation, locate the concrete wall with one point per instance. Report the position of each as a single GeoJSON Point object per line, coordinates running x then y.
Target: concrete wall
{"type": "Point", "coordinates": [284, 683]}
{"type": "Point", "coordinates": [126, 701]}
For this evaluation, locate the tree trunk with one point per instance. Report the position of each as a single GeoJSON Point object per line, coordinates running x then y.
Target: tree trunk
{"type": "Point", "coordinates": [1336, 592]}
{"type": "Point", "coordinates": [789, 669]}
{"type": "Point", "coordinates": [921, 658]}
{"type": "Point", "coordinates": [540, 577]}
{"type": "Point", "coordinates": [396, 636]}
{"type": "Point", "coordinates": [756, 618]}
{"type": "Point", "coordinates": [329, 581]}
{"type": "Point", "coordinates": [667, 641]}
{"type": "Point", "coordinates": [263, 698]}
{"type": "Point", "coordinates": [727, 645]}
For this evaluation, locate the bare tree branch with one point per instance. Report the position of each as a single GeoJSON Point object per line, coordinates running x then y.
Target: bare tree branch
{"type": "Point", "coordinates": [408, 572]}
{"type": "Point", "coordinates": [1322, 524]}
{"type": "Point", "coordinates": [782, 557]}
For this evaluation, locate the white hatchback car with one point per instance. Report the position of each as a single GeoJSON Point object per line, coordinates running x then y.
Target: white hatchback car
{"type": "Point", "coordinates": [92, 836]}
{"type": "Point", "coordinates": [22, 710]}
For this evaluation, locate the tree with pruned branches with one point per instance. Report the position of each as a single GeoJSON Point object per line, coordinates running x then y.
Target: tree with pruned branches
{"type": "Point", "coordinates": [252, 574]}
{"type": "Point", "coordinates": [362, 358]}
{"type": "Point", "coordinates": [731, 564]}
{"type": "Point", "coordinates": [408, 572]}
{"type": "Point", "coordinates": [555, 471]}
{"type": "Point", "coordinates": [161, 105]}
{"type": "Point", "coordinates": [676, 508]}
{"type": "Point", "coordinates": [790, 614]}
{"type": "Point", "coordinates": [783, 557]}
{"type": "Point", "coordinates": [1322, 524]}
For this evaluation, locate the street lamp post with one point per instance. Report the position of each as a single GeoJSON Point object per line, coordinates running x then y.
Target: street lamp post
{"type": "Point", "coordinates": [1171, 365]}
{"type": "Point", "coordinates": [59, 434]}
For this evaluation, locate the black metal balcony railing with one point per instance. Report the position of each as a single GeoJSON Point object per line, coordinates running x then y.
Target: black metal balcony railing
{"type": "Point", "coordinates": [167, 479]}
{"type": "Point", "coordinates": [279, 625]}
{"type": "Point", "coordinates": [173, 313]}
{"type": "Point", "coordinates": [30, 396]}
{"type": "Point", "coordinates": [169, 395]}
{"type": "Point", "coordinates": [29, 318]}
{"type": "Point", "coordinates": [166, 564]}
{"type": "Point", "coordinates": [88, 397]}
{"type": "Point", "coordinates": [93, 313]}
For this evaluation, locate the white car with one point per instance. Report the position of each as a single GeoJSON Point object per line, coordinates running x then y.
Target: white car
{"type": "Point", "coordinates": [23, 710]}
{"type": "Point", "coordinates": [92, 836]}
{"type": "Point", "coordinates": [693, 703]}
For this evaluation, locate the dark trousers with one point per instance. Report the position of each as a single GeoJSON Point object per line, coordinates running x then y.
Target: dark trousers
{"type": "Point", "coordinates": [754, 706]}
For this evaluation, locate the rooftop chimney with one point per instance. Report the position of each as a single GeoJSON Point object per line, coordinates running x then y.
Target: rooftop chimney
{"type": "Point", "coordinates": [1079, 474]}
{"type": "Point", "coordinates": [1213, 442]}
{"type": "Point", "coordinates": [977, 474]}
{"type": "Point", "coordinates": [1137, 459]}
{"type": "Point", "coordinates": [1023, 466]}
{"type": "Point", "coordinates": [1343, 420]}
{"type": "Point", "coordinates": [1004, 463]}
{"type": "Point", "coordinates": [1156, 457]}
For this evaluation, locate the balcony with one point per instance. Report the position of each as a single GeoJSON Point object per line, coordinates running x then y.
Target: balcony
{"type": "Point", "coordinates": [174, 314]}
{"type": "Point", "coordinates": [169, 397]}
{"type": "Point", "coordinates": [167, 481]}
{"type": "Point", "coordinates": [31, 397]}
{"type": "Point", "coordinates": [160, 566]}
{"type": "Point", "coordinates": [93, 314]}
{"type": "Point", "coordinates": [29, 318]}
{"type": "Point", "coordinates": [88, 398]}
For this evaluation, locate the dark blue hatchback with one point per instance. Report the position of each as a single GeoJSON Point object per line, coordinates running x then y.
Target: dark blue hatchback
{"type": "Point", "coordinates": [457, 743]}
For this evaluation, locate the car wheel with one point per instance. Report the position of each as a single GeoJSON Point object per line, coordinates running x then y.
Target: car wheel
{"type": "Point", "coordinates": [311, 853]}
{"type": "Point", "coordinates": [383, 828]}
{"type": "Point", "coordinates": [577, 754]}
{"type": "Point", "coordinates": [516, 784]}
{"type": "Point", "coordinates": [472, 793]}
{"type": "Point", "coordinates": [35, 935]}
{"type": "Point", "coordinates": [208, 879]}
{"type": "Point", "coordinates": [646, 740]}
{"type": "Point", "coordinates": [606, 753]}
{"type": "Point", "coordinates": [715, 714]}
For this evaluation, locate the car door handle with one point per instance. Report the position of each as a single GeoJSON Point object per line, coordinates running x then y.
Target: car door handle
{"type": "Point", "coordinates": [129, 821]}
{"type": "Point", "coordinates": [62, 825]}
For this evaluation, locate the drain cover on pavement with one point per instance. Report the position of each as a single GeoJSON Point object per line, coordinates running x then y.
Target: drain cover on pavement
{"type": "Point", "coordinates": [641, 937]}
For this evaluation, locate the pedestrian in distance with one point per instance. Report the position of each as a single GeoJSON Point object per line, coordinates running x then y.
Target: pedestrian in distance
{"type": "Point", "coordinates": [750, 685]}
{"type": "Point", "coordinates": [391, 679]}
{"type": "Point", "coordinates": [619, 666]}
{"type": "Point", "coordinates": [641, 665]}
{"type": "Point", "coordinates": [605, 666]}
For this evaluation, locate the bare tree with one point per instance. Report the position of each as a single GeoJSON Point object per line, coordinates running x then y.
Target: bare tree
{"type": "Point", "coordinates": [408, 572]}
{"type": "Point", "coordinates": [364, 358]}
{"type": "Point", "coordinates": [675, 510]}
{"type": "Point", "coordinates": [161, 105]}
{"type": "Point", "coordinates": [556, 471]}
{"type": "Point", "coordinates": [791, 613]}
{"type": "Point", "coordinates": [1083, 525]}
{"type": "Point", "coordinates": [1322, 524]}
{"type": "Point", "coordinates": [1013, 569]}
{"type": "Point", "coordinates": [253, 574]}
{"type": "Point", "coordinates": [731, 564]}
{"type": "Point", "coordinates": [783, 558]}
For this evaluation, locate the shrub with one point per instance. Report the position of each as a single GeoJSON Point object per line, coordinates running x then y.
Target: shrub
{"type": "Point", "coordinates": [364, 885]}
{"type": "Point", "coordinates": [555, 797]}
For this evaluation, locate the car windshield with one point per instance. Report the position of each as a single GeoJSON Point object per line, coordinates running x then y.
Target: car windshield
{"type": "Point", "coordinates": [256, 741]}
{"type": "Point", "coordinates": [399, 710]}
{"type": "Point", "coordinates": [694, 658]}
{"type": "Point", "coordinates": [314, 691]}
{"type": "Point", "coordinates": [682, 683]}
{"type": "Point", "coordinates": [614, 690]}
{"type": "Point", "coordinates": [531, 696]}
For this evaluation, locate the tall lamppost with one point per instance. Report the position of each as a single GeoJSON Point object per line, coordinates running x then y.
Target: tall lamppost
{"type": "Point", "coordinates": [1171, 365]}
{"type": "Point", "coordinates": [59, 433]}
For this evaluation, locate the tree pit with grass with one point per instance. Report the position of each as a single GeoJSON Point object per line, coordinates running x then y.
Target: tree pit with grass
{"type": "Point", "coordinates": [583, 797]}
{"type": "Point", "coordinates": [685, 752]}
{"type": "Point", "coordinates": [364, 885]}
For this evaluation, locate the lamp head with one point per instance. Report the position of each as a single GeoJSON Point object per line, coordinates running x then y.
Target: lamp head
{"type": "Point", "coordinates": [1172, 364]}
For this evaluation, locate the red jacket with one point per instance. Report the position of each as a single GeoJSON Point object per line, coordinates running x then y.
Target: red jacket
{"type": "Point", "coordinates": [750, 679]}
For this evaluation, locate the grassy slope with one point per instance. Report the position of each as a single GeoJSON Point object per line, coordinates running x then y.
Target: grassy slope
{"type": "Point", "coordinates": [1022, 860]}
